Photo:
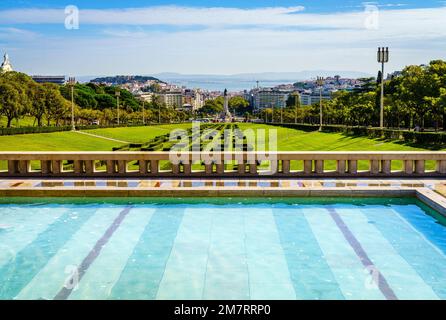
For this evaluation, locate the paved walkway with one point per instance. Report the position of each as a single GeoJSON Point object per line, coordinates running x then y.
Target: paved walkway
{"type": "Point", "coordinates": [102, 137]}
{"type": "Point", "coordinates": [437, 184]}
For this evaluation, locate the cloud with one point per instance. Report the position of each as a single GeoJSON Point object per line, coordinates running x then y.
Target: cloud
{"type": "Point", "coordinates": [220, 17]}
{"type": "Point", "coordinates": [170, 15]}
{"type": "Point", "coordinates": [385, 5]}
{"type": "Point", "coordinates": [16, 34]}
{"type": "Point", "coordinates": [228, 40]}
{"type": "Point", "coordinates": [319, 30]}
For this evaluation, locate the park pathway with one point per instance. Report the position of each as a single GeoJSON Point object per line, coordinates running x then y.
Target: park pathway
{"type": "Point", "coordinates": [102, 137]}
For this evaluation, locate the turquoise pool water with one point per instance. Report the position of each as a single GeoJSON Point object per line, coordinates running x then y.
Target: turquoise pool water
{"type": "Point", "coordinates": [221, 249]}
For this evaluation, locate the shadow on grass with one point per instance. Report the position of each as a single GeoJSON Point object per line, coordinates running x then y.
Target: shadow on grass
{"type": "Point", "coordinates": [432, 147]}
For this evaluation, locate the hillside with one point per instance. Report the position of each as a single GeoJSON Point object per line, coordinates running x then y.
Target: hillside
{"type": "Point", "coordinates": [118, 80]}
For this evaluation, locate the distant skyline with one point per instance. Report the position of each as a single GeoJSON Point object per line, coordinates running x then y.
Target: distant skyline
{"type": "Point", "coordinates": [219, 37]}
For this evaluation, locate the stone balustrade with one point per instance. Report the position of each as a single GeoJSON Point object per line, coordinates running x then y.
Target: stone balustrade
{"type": "Point", "coordinates": [220, 164]}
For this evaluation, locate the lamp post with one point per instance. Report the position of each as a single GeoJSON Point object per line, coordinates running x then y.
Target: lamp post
{"type": "Point", "coordinates": [320, 83]}
{"type": "Point", "coordinates": [71, 83]}
{"type": "Point", "coordinates": [281, 113]}
{"type": "Point", "coordinates": [383, 57]}
{"type": "Point", "coordinates": [272, 113]}
{"type": "Point", "coordinates": [143, 115]}
{"type": "Point", "coordinates": [295, 108]}
{"type": "Point", "coordinates": [117, 94]}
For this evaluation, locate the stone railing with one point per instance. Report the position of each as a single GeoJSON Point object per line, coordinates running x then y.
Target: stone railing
{"type": "Point", "coordinates": [220, 164]}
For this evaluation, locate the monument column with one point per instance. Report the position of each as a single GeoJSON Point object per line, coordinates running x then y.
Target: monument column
{"type": "Point", "coordinates": [226, 115]}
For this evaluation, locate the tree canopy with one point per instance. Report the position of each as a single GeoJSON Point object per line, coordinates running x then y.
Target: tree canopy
{"type": "Point", "coordinates": [50, 104]}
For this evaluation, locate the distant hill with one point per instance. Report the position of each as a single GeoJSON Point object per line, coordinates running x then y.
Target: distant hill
{"type": "Point", "coordinates": [118, 80]}
{"type": "Point", "coordinates": [264, 76]}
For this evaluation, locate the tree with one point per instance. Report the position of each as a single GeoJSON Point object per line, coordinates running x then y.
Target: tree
{"type": "Point", "coordinates": [368, 84]}
{"type": "Point", "coordinates": [414, 87]}
{"type": "Point", "coordinates": [10, 103]}
{"type": "Point", "coordinates": [238, 105]}
{"type": "Point", "coordinates": [212, 106]}
{"type": "Point", "coordinates": [56, 106]}
{"type": "Point", "coordinates": [38, 103]}
{"type": "Point", "coordinates": [293, 100]}
{"type": "Point", "coordinates": [85, 99]}
{"type": "Point", "coordinates": [22, 85]}
{"type": "Point", "coordinates": [105, 101]}
{"type": "Point", "coordinates": [108, 115]}
{"type": "Point", "coordinates": [90, 115]}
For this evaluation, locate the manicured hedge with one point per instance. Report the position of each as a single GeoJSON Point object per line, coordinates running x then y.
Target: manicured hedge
{"type": "Point", "coordinates": [422, 138]}
{"type": "Point", "coordinates": [26, 130]}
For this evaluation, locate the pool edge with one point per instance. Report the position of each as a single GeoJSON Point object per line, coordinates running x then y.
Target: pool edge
{"type": "Point", "coordinates": [425, 195]}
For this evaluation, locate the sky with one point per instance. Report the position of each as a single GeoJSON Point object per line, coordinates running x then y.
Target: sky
{"type": "Point", "coordinates": [80, 37]}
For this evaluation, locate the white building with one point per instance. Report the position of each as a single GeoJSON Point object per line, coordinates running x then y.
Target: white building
{"type": "Point", "coordinates": [145, 96]}
{"type": "Point", "coordinates": [269, 98]}
{"type": "Point", "coordinates": [308, 99]}
{"type": "Point", "coordinates": [6, 65]}
{"type": "Point", "coordinates": [172, 99]}
{"type": "Point", "coordinates": [198, 101]}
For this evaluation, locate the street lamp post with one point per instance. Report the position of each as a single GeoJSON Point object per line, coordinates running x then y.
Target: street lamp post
{"type": "Point", "coordinates": [295, 108]}
{"type": "Point", "coordinates": [320, 83]}
{"type": "Point", "coordinates": [383, 57]}
{"type": "Point", "coordinates": [118, 94]}
{"type": "Point", "coordinates": [143, 115]}
{"type": "Point", "coordinates": [281, 113]}
{"type": "Point", "coordinates": [272, 113]}
{"type": "Point", "coordinates": [71, 83]}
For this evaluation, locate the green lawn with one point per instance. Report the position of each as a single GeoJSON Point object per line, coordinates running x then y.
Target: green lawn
{"type": "Point", "coordinates": [296, 140]}
{"type": "Point", "coordinates": [57, 141]}
{"type": "Point", "coordinates": [138, 134]}
{"type": "Point", "coordinates": [288, 140]}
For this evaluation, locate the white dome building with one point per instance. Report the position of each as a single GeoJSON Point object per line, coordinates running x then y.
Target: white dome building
{"type": "Point", "coordinates": [6, 65]}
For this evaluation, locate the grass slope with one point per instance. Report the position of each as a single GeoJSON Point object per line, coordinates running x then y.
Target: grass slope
{"type": "Point", "coordinates": [288, 140]}
{"type": "Point", "coordinates": [138, 134]}
{"type": "Point", "coordinates": [58, 141]}
{"type": "Point", "coordinates": [296, 140]}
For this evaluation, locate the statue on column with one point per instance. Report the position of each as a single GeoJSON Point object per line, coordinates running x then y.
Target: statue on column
{"type": "Point", "coordinates": [226, 116]}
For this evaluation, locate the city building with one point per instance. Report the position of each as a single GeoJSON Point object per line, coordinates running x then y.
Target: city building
{"type": "Point", "coordinates": [145, 96]}
{"type": "Point", "coordinates": [49, 79]}
{"type": "Point", "coordinates": [198, 101]}
{"type": "Point", "coordinates": [172, 99]}
{"type": "Point", "coordinates": [309, 98]}
{"type": "Point", "coordinates": [6, 65]}
{"type": "Point", "coordinates": [269, 97]}
{"type": "Point", "coordinates": [248, 96]}
{"type": "Point", "coordinates": [185, 107]}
